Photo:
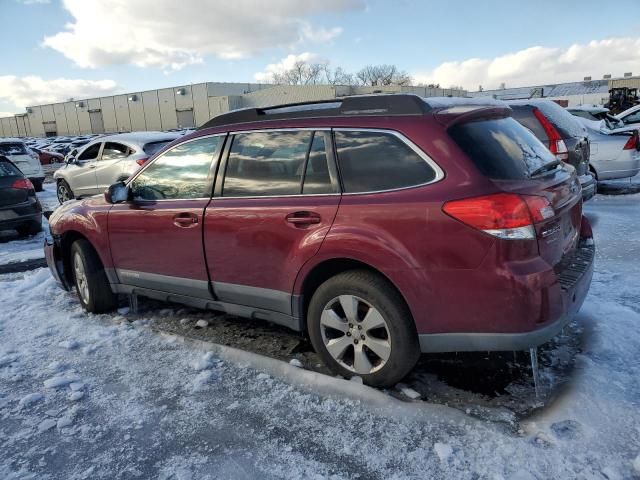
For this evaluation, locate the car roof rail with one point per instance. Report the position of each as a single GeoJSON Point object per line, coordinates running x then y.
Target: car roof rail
{"type": "Point", "coordinates": [357, 105]}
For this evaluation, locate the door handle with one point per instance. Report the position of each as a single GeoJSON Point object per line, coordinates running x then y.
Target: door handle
{"type": "Point", "coordinates": [185, 220]}
{"type": "Point", "coordinates": [301, 219]}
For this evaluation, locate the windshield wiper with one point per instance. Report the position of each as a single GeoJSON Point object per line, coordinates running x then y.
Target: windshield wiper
{"type": "Point", "coordinates": [545, 168]}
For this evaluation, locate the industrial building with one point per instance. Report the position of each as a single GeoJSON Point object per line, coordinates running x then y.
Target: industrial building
{"type": "Point", "coordinates": [177, 107]}
{"type": "Point", "coordinates": [568, 94]}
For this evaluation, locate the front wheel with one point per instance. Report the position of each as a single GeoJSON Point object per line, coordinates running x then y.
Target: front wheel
{"type": "Point", "coordinates": [360, 326]}
{"type": "Point", "coordinates": [92, 285]}
{"type": "Point", "coordinates": [64, 192]}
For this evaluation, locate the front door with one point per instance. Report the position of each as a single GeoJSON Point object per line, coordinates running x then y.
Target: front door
{"type": "Point", "coordinates": [83, 172]}
{"type": "Point", "coordinates": [278, 200]}
{"type": "Point", "coordinates": [156, 238]}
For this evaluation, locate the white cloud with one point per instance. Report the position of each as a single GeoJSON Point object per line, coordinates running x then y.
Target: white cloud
{"type": "Point", "coordinates": [34, 90]}
{"type": "Point", "coordinates": [539, 65]}
{"type": "Point", "coordinates": [286, 64]}
{"type": "Point", "coordinates": [170, 34]}
{"type": "Point", "coordinates": [7, 114]}
{"type": "Point", "coordinates": [33, 2]}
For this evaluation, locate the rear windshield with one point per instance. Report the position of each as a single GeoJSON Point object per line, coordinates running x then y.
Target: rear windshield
{"type": "Point", "coordinates": [561, 119]}
{"type": "Point", "coordinates": [501, 149]}
{"type": "Point", "coordinates": [8, 169]}
{"type": "Point", "coordinates": [153, 147]}
{"type": "Point", "coordinates": [13, 149]}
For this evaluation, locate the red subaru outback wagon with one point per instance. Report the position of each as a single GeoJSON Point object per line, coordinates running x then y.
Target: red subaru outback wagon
{"type": "Point", "coordinates": [381, 226]}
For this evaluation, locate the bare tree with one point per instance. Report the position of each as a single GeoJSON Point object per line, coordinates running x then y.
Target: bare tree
{"type": "Point", "coordinates": [301, 73]}
{"type": "Point", "coordinates": [338, 76]}
{"type": "Point", "coordinates": [380, 75]}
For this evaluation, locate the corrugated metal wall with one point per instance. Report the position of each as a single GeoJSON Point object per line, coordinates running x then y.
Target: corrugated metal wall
{"type": "Point", "coordinates": [158, 109]}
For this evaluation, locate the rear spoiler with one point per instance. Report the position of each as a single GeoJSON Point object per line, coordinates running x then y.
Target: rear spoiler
{"type": "Point", "coordinates": [468, 113]}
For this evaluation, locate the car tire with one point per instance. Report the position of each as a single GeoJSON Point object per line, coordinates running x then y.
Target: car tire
{"type": "Point", "coordinates": [64, 192]}
{"type": "Point", "coordinates": [37, 185]}
{"type": "Point", "coordinates": [90, 279]}
{"type": "Point", "coordinates": [361, 326]}
{"type": "Point", "coordinates": [28, 229]}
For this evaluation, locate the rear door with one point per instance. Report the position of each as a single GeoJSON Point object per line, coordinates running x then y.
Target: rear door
{"type": "Point", "coordinates": [156, 239]}
{"type": "Point", "coordinates": [109, 166]}
{"type": "Point", "coordinates": [269, 214]}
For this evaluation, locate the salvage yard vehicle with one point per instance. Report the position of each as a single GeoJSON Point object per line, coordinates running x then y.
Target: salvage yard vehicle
{"type": "Point", "coordinates": [20, 209]}
{"type": "Point", "coordinates": [106, 160]}
{"type": "Point", "coordinates": [565, 137]}
{"type": "Point", "coordinates": [381, 226]}
{"type": "Point", "coordinates": [613, 154]}
{"type": "Point", "coordinates": [27, 161]}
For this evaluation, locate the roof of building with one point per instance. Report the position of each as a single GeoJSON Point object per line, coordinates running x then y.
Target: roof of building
{"type": "Point", "coordinates": [550, 90]}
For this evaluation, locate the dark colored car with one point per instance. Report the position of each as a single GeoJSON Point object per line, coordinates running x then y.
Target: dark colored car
{"type": "Point", "coordinates": [19, 207]}
{"type": "Point", "coordinates": [47, 157]}
{"type": "Point", "coordinates": [381, 226]}
{"type": "Point", "coordinates": [565, 137]}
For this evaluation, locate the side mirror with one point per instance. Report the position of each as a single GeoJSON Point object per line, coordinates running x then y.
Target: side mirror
{"type": "Point", "coordinates": [117, 193]}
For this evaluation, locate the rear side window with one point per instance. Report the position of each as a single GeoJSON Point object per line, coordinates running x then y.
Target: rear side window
{"type": "Point", "coordinates": [8, 170]}
{"type": "Point", "coordinates": [501, 149]}
{"type": "Point", "coordinates": [152, 147]}
{"type": "Point", "coordinates": [114, 151]}
{"type": "Point", "coordinates": [375, 161]}
{"type": "Point", "coordinates": [13, 149]}
{"type": "Point", "coordinates": [266, 164]}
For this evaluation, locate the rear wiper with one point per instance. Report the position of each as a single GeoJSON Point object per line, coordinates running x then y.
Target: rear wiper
{"type": "Point", "coordinates": [545, 168]}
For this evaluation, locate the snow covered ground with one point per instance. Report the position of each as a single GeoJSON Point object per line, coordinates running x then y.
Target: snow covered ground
{"type": "Point", "coordinates": [115, 396]}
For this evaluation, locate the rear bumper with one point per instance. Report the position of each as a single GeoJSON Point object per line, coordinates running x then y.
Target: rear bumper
{"type": "Point", "coordinates": [573, 282]}
{"type": "Point", "coordinates": [17, 215]}
{"type": "Point", "coordinates": [589, 186]}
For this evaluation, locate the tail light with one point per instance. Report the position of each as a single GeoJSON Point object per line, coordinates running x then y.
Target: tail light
{"type": "Point", "coordinates": [632, 143]}
{"type": "Point", "coordinates": [23, 184]}
{"type": "Point", "coordinates": [142, 161]}
{"type": "Point", "coordinates": [503, 215]}
{"type": "Point", "coordinates": [556, 143]}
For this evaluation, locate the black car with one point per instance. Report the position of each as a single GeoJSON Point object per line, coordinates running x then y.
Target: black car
{"type": "Point", "coordinates": [19, 207]}
{"type": "Point", "coordinates": [565, 137]}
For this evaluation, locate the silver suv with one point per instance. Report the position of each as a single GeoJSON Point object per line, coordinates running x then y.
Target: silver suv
{"type": "Point", "coordinates": [107, 160]}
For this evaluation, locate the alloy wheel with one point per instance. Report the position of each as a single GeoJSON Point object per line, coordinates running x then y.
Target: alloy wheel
{"type": "Point", "coordinates": [81, 278]}
{"type": "Point", "coordinates": [63, 193]}
{"type": "Point", "coordinates": [355, 334]}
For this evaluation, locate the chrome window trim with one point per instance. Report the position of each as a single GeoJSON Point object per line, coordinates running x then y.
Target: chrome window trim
{"type": "Point", "coordinates": [417, 150]}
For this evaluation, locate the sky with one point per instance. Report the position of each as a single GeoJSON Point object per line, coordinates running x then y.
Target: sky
{"type": "Point", "coordinates": [53, 50]}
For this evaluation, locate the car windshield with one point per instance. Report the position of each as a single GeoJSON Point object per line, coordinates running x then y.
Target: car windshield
{"type": "Point", "coordinates": [502, 149]}
{"type": "Point", "coordinates": [152, 147]}
{"type": "Point", "coordinates": [13, 149]}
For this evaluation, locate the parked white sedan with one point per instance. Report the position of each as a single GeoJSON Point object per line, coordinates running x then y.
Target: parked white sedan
{"type": "Point", "coordinates": [105, 161]}
{"type": "Point", "coordinates": [614, 154]}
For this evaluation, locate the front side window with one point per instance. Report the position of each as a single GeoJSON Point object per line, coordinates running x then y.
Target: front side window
{"type": "Point", "coordinates": [375, 161]}
{"type": "Point", "coordinates": [183, 172]}
{"type": "Point", "coordinates": [114, 151]}
{"type": "Point", "coordinates": [91, 152]}
{"type": "Point", "coordinates": [266, 164]}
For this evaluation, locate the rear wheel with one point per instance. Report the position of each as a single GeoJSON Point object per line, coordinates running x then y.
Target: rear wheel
{"type": "Point", "coordinates": [29, 229]}
{"type": "Point", "coordinates": [37, 185]}
{"type": "Point", "coordinates": [90, 279]}
{"type": "Point", "coordinates": [360, 326]}
{"type": "Point", "coordinates": [64, 192]}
